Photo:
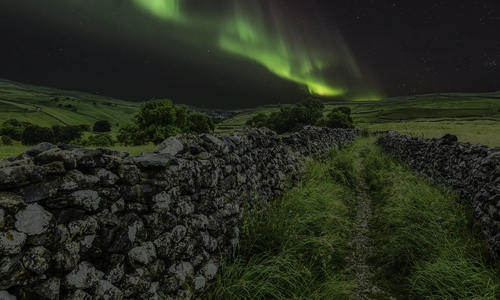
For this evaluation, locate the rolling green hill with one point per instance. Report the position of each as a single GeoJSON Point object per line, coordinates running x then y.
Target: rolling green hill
{"type": "Point", "coordinates": [473, 118]}
{"type": "Point", "coordinates": [46, 106]}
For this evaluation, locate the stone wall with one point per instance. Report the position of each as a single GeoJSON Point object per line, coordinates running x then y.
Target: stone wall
{"type": "Point", "coordinates": [77, 223]}
{"type": "Point", "coordinates": [472, 171]}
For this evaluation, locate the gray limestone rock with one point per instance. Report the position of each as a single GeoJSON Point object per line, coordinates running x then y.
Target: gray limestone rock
{"type": "Point", "coordinates": [142, 255]}
{"type": "Point", "coordinates": [84, 276]}
{"type": "Point", "coordinates": [199, 283]}
{"type": "Point", "coordinates": [105, 290]}
{"type": "Point", "coordinates": [12, 177]}
{"type": "Point", "coordinates": [34, 219]}
{"type": "Point", "coordinates": [153, 161]}
{"type": "Point", "coordinates": [75, 179]}
{"type": "Point", "coordinates": [164, 245]}
{"type": "Point", "coordinates": [66, 258]}
{"type": "Point", "coordinates": [182, 272]}
{"type": "Point", "coordinates": [87, 199]}
{"type": "Point", "coordinates": [37, 149]}
{"type": "Point", "coordinates": [56, 154]}
{"type": "Point", "coordinates": [47, 290]}
{"type": "Point", "coordinates": [129, 174]}
{"type": "Point", "coordinates": [171, 146]}
{"type": "Point", "coordinates": [11, 202]}
{"type": "Point", "coordinates": [39, 191]}
{"type": "Point", "coordinates": [106, 178]}
{"type": "Point", "coordinates": [11, 242]}
{"type": "Point", "coordinates": [55, 168]}
{"type": "Point", "coordinates": [50, 289]}
{"type": "Point", "coordinates": [162, 202]}
{"type": "Point", "coordinates": [114, 268]}
{"type": "Point", "coordinates": [210, 270]}
{"type": "Point", "coordinates": [78, 295]}
{"type": "Point", "coordinates": [12, 272]}
{"type": "Point", "coordinates": [4, 295]}
{"type": "Point", "coordinates": [36, 259]}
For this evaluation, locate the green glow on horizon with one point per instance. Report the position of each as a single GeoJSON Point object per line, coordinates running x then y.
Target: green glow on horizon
{"type": "Point", "coordinates": [247, 36]}
{"type": "Point", "coordinates": [165, 9]}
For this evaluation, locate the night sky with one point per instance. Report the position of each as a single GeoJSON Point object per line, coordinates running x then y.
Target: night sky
{"type": "Point", "coordinates": [245, 53]}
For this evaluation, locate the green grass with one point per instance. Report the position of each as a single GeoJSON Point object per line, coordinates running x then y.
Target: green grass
{"type": "Point", "coordinates": [427, 246]}
{"type": "Point", "coordinates": [297, 249]}
{"type": "Point", "coordinates": [20, 101]}
{"type": "Point", "coordinates": [474, 118]}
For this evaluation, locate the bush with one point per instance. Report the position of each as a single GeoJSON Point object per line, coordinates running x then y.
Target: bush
{"type": "Point", "coordinates": [290, 118]}
{"type": "Point", "coordinates": [34, 134]}
{"type": "Point", "coordinates": [65, 134]}
{"type": "Point", "coordinates": [259, 120]}
{"type": "Point", "coordinates": [100, 140]}
{"type": "Point", "coordinates": [336, 119]}
{"type": "Point", "coordinates": [13, 129]}
{"type": "Point", "coordinates": [156, 121]}
{"type": "Point", "coordinates": [200, 123]}
{"type": "Point", "coordinates": [6, 141]}
{"type": "Point", "coordinates": [102, 126]}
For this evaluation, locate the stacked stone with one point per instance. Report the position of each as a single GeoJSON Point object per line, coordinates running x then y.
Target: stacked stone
{"type": "Point", "coordinates": [77, 223]}
{"type": "Point", "coordinates": [472, 171]}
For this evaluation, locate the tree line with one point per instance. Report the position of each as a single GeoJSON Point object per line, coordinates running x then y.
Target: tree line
{"type": "Point", "coordinates": [155, 121]}
{"type": "Point", "coordinates": [31, 134]}
{"type": "Point", "coordinates": [159, 119]}
{"type": "Point", "coordinates": [307, 112]}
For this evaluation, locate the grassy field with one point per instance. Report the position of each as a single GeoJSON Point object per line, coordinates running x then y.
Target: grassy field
{"type": "Point", "coordinates": [424, 243]}
{"type": "Point", "coordinates": [427, 244]}
{"type": "Point", "coordinates": [36, 105]}
{"type": "Point", "coordinates": [473, 118]}
{"type": "Point", "coordinates": [297, 249]}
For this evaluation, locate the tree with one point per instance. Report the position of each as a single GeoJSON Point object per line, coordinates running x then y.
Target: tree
{"type": "Point", "coordinates": [6, 141]}
{"type": "Point", "coordinates": [259, 120]}
{"type": "Point", "coordinates": [338, 118]}
{"type": "Point", "coordinates": [130, 135]}
{"type": "Point", "coordinates": [291, 118]}
{"type": "Point", "coordinates": [65, 134]}
{"type": "Point", "coordinates": [200, 123]}
{"type": "Point", "coordinates": [156, 121]}
{"type": "Point", "coordinates": [100, 140]}
{"type": "Point", "coordinates": [34, 134]}
{"type": "Point", "coordinates": [102, 126]}
{"type": "Point", "coordinates": [13, 129]}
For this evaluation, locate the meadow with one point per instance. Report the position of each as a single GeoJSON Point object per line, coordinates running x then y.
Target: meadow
{"type": "Point", "coordinates": [473, 118]}
{"type": "Point", "coordinates": [424, 243]}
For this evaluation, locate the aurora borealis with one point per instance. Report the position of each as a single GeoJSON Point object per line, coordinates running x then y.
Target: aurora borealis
{"type": "Point", "coordinates": [240, 53]}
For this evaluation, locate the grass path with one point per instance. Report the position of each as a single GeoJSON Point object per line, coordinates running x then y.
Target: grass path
{"type": "Point", "coordinates": [360, 226]}
{"type": "Point", "coordinates": [363, 248]}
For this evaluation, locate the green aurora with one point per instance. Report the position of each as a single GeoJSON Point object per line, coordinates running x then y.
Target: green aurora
{"type": "Point", "coordinates": [317, 59]}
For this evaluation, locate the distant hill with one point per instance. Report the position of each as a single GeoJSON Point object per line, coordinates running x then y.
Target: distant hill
{"type": "Point", "coordinates": [441, 107]}
{"type": "Point", "coordinates": [47, 106]}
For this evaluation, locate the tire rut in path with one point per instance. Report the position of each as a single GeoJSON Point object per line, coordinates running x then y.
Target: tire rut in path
{"type": "Point", "coordinates": [363, 249]}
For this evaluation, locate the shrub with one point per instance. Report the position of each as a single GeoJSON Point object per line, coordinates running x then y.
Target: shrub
{"type": "Point", "coordinates": [34, 134]}
{"type": "Point", "coordinates": [102, 126]}
{"type": "Point", "coordinates": [6, 140]}
{"type": "Point", "coordinates": [100, 140]}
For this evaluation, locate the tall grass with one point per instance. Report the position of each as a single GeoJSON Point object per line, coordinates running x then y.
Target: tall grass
{"type": "Point", "coordinates": [297, 248]}
{"type": "Point", "coordinates": [427, 249]}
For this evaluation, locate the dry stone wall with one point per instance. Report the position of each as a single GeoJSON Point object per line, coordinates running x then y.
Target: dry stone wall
{"type": "Point", "coordinates": [78, 223]}
{"type": "Point", "coordinates": [472, 171]}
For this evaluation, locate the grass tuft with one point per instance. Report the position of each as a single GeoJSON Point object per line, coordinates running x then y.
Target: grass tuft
{"type": "Point", "coordinates": [297, 248]}
{"type": "Point", "coordinates": [427, 248]}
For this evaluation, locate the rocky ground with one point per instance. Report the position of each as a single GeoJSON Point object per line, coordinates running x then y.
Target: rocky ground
{"type": "Point", "coordinates": [363, 249]}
